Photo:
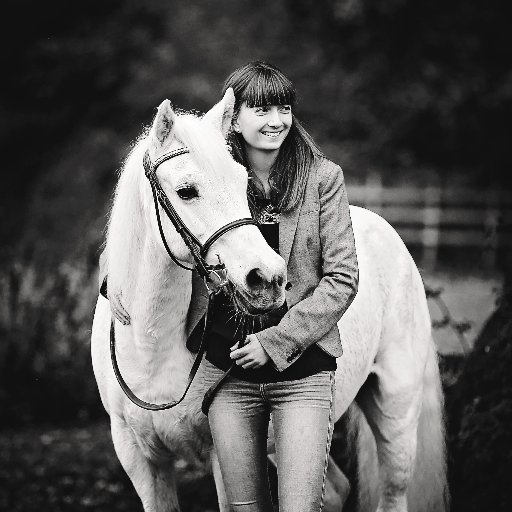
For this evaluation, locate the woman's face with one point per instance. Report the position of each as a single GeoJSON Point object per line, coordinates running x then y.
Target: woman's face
{"type": "Point", "coordinates": [264, 128]}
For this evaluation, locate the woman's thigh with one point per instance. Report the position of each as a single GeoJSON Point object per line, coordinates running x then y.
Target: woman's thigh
{"type": "Point", "coordinates": [302, 417]}
{"type": "Point", "coordinates": [239, 419]}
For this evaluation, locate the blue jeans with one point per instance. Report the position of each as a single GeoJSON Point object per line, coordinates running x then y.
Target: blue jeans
{"type": "Point", "coordinates": [302, 416]}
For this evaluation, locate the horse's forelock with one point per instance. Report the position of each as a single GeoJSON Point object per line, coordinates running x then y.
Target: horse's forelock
{"type": "Point", "coordinates": [205, 142]}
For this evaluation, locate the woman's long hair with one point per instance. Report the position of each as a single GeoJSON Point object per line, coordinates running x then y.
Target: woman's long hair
{"type": "Point", "coordinates": [261, 84]}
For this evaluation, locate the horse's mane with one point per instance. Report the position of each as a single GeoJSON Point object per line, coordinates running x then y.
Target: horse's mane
{"type": "Point", "coordinates": [128, 218]}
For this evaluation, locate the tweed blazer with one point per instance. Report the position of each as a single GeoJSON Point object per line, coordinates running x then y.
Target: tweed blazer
{"type": "Point", "coordinates": [317, 243]}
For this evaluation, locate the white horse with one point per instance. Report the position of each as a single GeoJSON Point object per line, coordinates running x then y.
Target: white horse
{"type": "Point", "coordinates": [389, 359]}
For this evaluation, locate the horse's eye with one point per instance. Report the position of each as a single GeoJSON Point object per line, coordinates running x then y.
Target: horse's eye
{"type": "Point", "coordinates": [187, 193]}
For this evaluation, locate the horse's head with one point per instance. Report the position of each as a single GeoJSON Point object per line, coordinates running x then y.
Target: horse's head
{"type": "Point", "coordinates": [208, 190]}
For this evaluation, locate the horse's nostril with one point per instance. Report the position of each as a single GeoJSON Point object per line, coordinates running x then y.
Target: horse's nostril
{"type": "Point", "coordinates": [255, 278]}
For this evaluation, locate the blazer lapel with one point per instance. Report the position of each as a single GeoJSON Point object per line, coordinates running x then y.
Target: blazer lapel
{"type": "Point", "coordinates": [287, 227]}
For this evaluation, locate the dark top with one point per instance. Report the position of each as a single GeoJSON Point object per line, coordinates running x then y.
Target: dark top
{"type": "Point", "coordinates": [229, 328]}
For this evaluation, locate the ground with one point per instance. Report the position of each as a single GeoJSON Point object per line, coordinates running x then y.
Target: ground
{"type": "Point", "coordinates": [74, 469]}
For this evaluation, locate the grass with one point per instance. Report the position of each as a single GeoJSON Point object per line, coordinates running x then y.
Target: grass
{"type": "Point", "coordinates": [75, 469]}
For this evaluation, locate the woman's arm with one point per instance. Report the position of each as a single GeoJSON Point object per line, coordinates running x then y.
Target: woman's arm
{"type": "Point", "coordinates": [309, 320]}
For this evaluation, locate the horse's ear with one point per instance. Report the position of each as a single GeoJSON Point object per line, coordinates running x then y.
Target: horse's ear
{"type": "Point", "coordinates": [163, 125]}
{"type": "Point", "coordinates": [221, 114]}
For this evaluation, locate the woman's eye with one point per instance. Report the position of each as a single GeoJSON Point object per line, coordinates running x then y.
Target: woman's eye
{"type": "Point", "coordinates": [187, 193]}
{"type": "Point", "coordinates": [285, 108]}
{"type": "Point", "coordinates": [261, 110]}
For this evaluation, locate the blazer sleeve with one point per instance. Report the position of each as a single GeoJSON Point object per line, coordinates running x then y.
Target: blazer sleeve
{"type": "Point", "coordinates": [310, 319]}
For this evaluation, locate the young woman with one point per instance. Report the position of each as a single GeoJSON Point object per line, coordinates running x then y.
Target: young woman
{"type": "Point", "coordinates": [287, 359]}
{"type": "Point", "coordinates": [285, 368]}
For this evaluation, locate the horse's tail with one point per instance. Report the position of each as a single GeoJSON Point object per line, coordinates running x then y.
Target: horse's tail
{"type": "Point", "coordinates": [428, 489]}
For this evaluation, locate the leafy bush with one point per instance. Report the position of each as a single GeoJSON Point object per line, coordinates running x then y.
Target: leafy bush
{"type": "Point", "coordinates": [480, 414]}
{"type": "Point", "coordinates": [45, 367]}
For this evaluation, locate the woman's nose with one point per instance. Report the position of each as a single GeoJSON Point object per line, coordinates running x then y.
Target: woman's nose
{"type": "Point", "coordinates": [274, 119]}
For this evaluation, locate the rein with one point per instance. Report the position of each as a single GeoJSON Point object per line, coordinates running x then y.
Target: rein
{"type": "Point", "coordinates": [214, 276]}
{"type": "Point", "coordinates": [197, 361]}
{"type": "Point", "coordinates": [197, 249]}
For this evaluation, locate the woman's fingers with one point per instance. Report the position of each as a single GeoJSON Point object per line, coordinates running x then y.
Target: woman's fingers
{"type": "Point", "coordinates": [251, 355]}
{"type": "Point", "coordinates": [240, 352]}
{"type": "Point", "coordinates": [243, 343]}
{"type": "Point", "coordinates": [248, 361]}
{"type": "Point", "coordinates": [244, 360]}
{"type": "Point", "coordinates": [119, 316]}
{"type": "Point", "coordinates": [118, 310]}
{"type": "Point", "coordinates": [251, 366]}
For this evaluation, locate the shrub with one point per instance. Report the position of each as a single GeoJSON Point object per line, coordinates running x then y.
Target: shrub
{"type": "Point", "coordinates": [45, 325]}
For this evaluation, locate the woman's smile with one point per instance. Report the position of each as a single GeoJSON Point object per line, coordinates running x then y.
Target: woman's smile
{"type": "Point", "coordinates": [272, 135]}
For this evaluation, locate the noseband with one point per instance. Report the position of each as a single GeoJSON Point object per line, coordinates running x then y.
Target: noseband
{"type": "Point", "coordinates": [212, 274]}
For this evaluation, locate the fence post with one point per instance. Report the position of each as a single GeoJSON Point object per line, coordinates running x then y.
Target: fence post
{"type": "Point", "coordinates": [373, 192]}
{"type": "Point", "coordinates": [491, 228]}
{"type": "Point", "coordinates": [431, 221]}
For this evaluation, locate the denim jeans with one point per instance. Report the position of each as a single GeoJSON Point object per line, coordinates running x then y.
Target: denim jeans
{"type": "Point", "coordinates": [302, 417]}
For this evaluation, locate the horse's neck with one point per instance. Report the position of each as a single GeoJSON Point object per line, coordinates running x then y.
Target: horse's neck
{"type": "Point", "coordinates": [160, 300]}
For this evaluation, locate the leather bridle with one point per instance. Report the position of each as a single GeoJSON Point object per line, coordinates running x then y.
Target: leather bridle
{"type": "Point", "coordinates": [214, 276]}
{"type": "Point", "coordinates": [195, 247]}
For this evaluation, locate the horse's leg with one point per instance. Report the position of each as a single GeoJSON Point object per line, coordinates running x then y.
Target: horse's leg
{"type": "Point", "coordinates": [219, 483]}
{"type": "Point", "coordinates": [391, 401]}
{"type": "Point", "coordinates": [154, 482]}
{"type": "Point", "coordinates": [337, 488]}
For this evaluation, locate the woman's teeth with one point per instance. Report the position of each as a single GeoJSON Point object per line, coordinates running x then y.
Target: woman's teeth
{"type": "Point", "coordinates": [272, 134]}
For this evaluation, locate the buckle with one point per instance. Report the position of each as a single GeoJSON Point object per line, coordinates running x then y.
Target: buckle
{"type": "Point", "coordinates": [217, 277]}
{"type": "Point", "coordinates": [216, 280]}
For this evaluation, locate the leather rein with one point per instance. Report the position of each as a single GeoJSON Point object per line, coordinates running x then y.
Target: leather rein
{"type": "Point", "coordinates": [214, 276]}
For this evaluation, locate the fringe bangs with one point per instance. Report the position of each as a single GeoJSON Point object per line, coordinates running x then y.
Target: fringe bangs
{"type": "Point", "coordinates": [269, 87]}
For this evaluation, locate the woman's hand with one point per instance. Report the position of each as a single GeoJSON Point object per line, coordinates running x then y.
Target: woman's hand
{"type": "Point", "coordinates": [117, 308]}
{"type": "Point", "coordinates": [251, 355]}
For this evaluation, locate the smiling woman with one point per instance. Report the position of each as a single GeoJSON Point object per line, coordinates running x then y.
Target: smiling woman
{"type": "Point", "coordinates": [277, 361]}
{"type": "Point", "coordinates": [284, 362]}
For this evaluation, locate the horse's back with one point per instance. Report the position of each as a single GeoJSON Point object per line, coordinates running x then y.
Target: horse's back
{"type": "Point", "coordinates": [386, 267]}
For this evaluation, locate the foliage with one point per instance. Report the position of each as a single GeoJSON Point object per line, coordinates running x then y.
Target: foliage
{"type": "Point", "coordinates": [417, 80]}
{"type": "Point", "coordinates": [404, 87]}
{"type": "Point", "coordinates": [45, 367]}
{"type": "Point", "coordinates": [480, 411]}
